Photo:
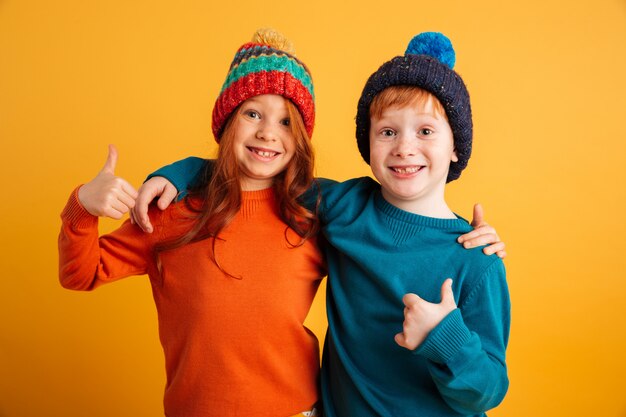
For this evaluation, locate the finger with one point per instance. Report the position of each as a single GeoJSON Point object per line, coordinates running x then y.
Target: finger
{"type": "Point", "coordinates": [480, 230]}
{"type": "Point", "coordinates": [144, 224]}
{"type": "Point", "coordinates": [169, 194]}
{"type": "Point", "coordinates": [127, 199]}
{"type": "Point", "coordinates": [131, 216]}
{"type": "Point", "coordinates": [401, 340]}
{"type": "Point", "coordinates": [121, 190]}
{"type": "Point", "coordinates": [116, 201]}
{"type": "Point", "coordinates": [447, 295]}
{"type": "Point", "coordinates": [477, 219]}
{"type": "Point", "coordinates": [484, 229]}
{"type": "Point", "coordinates": [129, 189]}
{"type": "Point", "coordinates": [481, 240]}
{"type": "Point", "coordinates": [140, 212]}
{"type": "Point", "coordinates": [142, 203]}
{"type": "Point", "coordinates": [113, 213]}
{"type": "Point", "coordinates": [119, 206]}
{"type": "Point", "coordinates": [119, 186]}
{"type": "Point", "coordinates": [143, 200]}
{"type": "Point", "coordinates": [410, 299]}
{"type": "Point", "coordinates": [491, 249]}
{"type": "Point", "coordinates": [111, 162]}
{"type": "Point", "coordinates": [143, 221]}
{"type": "Point", "coordinates": [501, 254]}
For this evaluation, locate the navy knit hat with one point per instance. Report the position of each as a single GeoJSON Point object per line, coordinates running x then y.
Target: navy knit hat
{"type": "Point", "coordinates": [427, 64]}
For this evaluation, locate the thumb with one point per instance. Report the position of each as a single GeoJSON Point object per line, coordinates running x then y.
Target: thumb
{"type": "Point", "coordinates": [400, 339]}
{"type": "Point", "coordinates": [478, 215]}
{"type": "Point", "coordinates": [410, 299]}
{"type": "Point", "coordinates": [447, 296]}
{"type": "Point", "coordinates": [109, 165]}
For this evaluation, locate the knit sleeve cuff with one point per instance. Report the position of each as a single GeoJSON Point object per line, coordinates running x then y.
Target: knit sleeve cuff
{"type": "Point", "coordinates": [76, 215]}
{"type": "Point", "coordinates": [445, 340]}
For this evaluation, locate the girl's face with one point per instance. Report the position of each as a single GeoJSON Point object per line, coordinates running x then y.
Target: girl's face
{"type": "Point", "coordinates": [263, 142]}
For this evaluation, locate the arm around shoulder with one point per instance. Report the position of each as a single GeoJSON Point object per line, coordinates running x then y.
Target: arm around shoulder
{"type": "Point", "coordinates": [183, 174]}
{"type": "Point", "coordinates": [167, 184]}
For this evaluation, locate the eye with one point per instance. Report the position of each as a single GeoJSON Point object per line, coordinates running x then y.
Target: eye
{"type": "Point", "coordinates": [253, 114]}
{"type": "Point", "coordinates": [425, 132]}
{"type": "Point", "coordinates": [285, 122]}
{"type": "Point", "coordinates": [388, 133]}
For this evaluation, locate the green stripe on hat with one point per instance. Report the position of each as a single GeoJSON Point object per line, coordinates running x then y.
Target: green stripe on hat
{"type": "Point", "coordinates": [281, 63]}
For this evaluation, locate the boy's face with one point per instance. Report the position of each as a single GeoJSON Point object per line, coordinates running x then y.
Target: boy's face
{"type": "Point", "coordinates": [410, 153]}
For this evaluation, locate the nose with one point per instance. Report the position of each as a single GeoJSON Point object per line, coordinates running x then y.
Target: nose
{"type": "Point", "coordinates": [405, 146]}
{"type": "Point", "coordinates": [266, 132]}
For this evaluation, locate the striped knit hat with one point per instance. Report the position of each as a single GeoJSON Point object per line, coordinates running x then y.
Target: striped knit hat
{"type": "Point", "coordinates": [427, 63]}
{"type": "Point", "coordinates": [267, 65]}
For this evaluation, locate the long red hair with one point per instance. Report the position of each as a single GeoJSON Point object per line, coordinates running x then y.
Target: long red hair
{"type": "Point", "coordinates": [216, 197]}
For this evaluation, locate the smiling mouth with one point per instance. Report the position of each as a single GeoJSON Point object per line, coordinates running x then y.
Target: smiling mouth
{"type": "Point", "coordinates": [263, 153]}
{"type": "Point", "coordinates": [407, 170]}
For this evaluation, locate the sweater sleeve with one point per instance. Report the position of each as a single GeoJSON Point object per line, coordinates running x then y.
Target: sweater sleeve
{"type": "Point", "coordinates": [87, 261]}
{"type": "Point", "coordinates": [182, 174]}
{"type": "Point", "coordinates": [312, 199]}
{"type": "Point", "coordinates": [466, 351]}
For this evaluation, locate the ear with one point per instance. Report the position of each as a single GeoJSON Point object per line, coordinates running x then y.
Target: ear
{"type": "Point", "coordinates": [454, 157]}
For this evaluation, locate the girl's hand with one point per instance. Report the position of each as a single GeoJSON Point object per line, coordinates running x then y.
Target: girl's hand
{"type": "Point", "coordinates": [483, 234]}
{"type": "Point", "coordinates": [151, 189]}
{"type": "Point", "coordinates": [107, 195]}
{"type": "Point", "coordinates": [421, 317]}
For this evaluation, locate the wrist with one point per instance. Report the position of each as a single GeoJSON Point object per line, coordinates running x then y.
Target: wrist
{"type": "Point", "coordinates": [446, 339]}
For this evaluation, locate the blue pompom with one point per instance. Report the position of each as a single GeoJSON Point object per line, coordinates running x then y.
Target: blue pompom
{"type": "Point", "coordinates": [434, 44]}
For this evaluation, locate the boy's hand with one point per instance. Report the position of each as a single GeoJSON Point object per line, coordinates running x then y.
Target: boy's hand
{"type": "Point", "coordinates": [107, 195]}
{"type": "Point", "coordinates": [483, 234]}
{"type": "Point", "coordinates": [154, 187]}
{"type": "Point", "coordinates": [420, 316]}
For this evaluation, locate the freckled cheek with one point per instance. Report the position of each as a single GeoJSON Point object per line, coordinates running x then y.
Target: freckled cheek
{"type": "Point", "coordinates": [378, 152]}
{"type": "Point", "coordinates": [376, 163]}
{"type": "Point", "coordinates": [378, 168]}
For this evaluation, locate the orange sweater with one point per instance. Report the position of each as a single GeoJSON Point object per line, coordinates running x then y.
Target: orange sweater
{"type": "Point", "coordinates": [233, 347]}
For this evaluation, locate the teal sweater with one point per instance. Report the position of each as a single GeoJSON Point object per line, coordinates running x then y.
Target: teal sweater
{"type": "Point", "coordinates": [376, 253]}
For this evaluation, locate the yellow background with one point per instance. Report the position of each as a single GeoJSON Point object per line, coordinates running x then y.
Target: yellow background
{"type": "Point", "coordinates": [547, 80]}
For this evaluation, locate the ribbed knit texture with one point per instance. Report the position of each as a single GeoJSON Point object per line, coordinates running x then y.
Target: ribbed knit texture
{"type": "Point", "coordinates": [233, 347]}
{"type": "Point", "coordinates": [432, 75]}
{"type": "Point", "coordinates": [260, 58]}
{"type": "Point", "coordinates": [74, 213]}
{"type": "Point", "coordinates": [446, 339]}
{"type": "Point", "coordinates": [376, 254]}
{"type": "Point", "coordinates": [264, 69]}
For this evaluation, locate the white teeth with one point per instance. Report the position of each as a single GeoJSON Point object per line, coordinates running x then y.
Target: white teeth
{"type": "Point", "coordinates": [408, 170]}
{"type": "Point", "coordinates": [264, 154]}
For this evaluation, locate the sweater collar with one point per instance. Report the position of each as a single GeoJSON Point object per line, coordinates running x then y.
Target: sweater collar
{"type": "Point", "coordinates": [258, 195]}
{"type": "Point", "coordinates": [252, 200]}
{"type": "Point", "coordinates": [415, 219]}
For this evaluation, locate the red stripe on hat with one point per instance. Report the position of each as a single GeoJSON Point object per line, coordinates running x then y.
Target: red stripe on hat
{"type": "Point", "coordinates": [264, 82]}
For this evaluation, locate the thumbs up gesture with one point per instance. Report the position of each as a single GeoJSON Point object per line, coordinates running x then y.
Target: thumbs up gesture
{"type": "Point", "coordinates": [420, 316]}
{"type": "Point", "coordinates": [107, 195]}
